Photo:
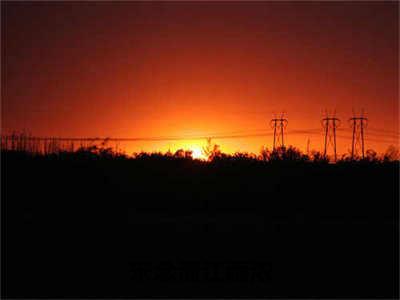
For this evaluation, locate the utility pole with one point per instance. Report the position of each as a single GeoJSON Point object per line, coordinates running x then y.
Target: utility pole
{"type": "Point", "coordinates": [308, 146]}
{"type": "Point", "coordinates": [358, 124]}
{"type": "Point", "coordinates": [330, 124]}
{"type": "Point", "coordinates": [279, 125]}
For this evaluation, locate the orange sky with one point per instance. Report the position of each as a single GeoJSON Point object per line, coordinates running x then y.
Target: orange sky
{"type": "Point", "coordinates": [137, 69]}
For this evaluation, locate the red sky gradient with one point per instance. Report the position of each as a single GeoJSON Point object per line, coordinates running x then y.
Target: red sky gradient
{"type": "Point", "coordinates": [140, 69]}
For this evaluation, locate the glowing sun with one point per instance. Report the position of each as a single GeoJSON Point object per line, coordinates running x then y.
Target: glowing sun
{"type": "Point", "coordinates": [197, 153]}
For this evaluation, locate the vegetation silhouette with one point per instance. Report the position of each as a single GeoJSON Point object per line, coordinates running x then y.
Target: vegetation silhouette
{"type": "Point", "coordinates": [94, 222]}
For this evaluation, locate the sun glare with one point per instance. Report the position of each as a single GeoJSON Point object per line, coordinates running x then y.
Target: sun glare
{"type": "Point", "coordinates": [197, 153]}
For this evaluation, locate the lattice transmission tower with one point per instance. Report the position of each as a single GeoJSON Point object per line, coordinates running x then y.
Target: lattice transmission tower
{"type": "Point", "coordinates": [330, 124]}
{"type": "Point", "coordinates": [279, 125]}
{"type": "Point", "coordinates": [358, 124]}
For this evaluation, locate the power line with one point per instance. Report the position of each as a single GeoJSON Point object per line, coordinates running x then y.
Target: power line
{"type": "Point", "coordinates": [384, 131]}
{"type": "Point", "coordinates": [23, 140]}
{"type": "Point", "coordinates": [222, 135]}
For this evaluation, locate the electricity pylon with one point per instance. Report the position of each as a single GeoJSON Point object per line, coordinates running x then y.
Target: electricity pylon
{"type": "Point", "coordinates": [358, 124]}
{"type": "Point", "coordinates": [279, 125]}
{"type": "Point", "coordinates": [330, 124]}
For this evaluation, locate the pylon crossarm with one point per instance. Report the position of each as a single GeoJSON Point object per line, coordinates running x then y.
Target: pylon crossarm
{"type": "Point", "coordinates": [337, 122]}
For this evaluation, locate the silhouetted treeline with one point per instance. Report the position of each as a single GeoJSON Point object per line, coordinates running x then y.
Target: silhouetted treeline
{"type": "Point", "coordinates": [288, 154]}
{"type": "Point", "coordinates": [96, 223]}
{"type": "Point", "coordinates": [22, 142]}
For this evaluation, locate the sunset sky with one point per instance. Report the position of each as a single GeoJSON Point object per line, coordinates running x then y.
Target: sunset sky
{"type": "Point", "coordinates": [188, 69]}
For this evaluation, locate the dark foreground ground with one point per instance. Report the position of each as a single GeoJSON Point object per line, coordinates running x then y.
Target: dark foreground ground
{"type": "Point", "coordinates": [137, 228]}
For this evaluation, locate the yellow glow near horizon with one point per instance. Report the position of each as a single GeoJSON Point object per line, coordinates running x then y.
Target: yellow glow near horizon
{"type": "Point", "coordinates": [197, 152]}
